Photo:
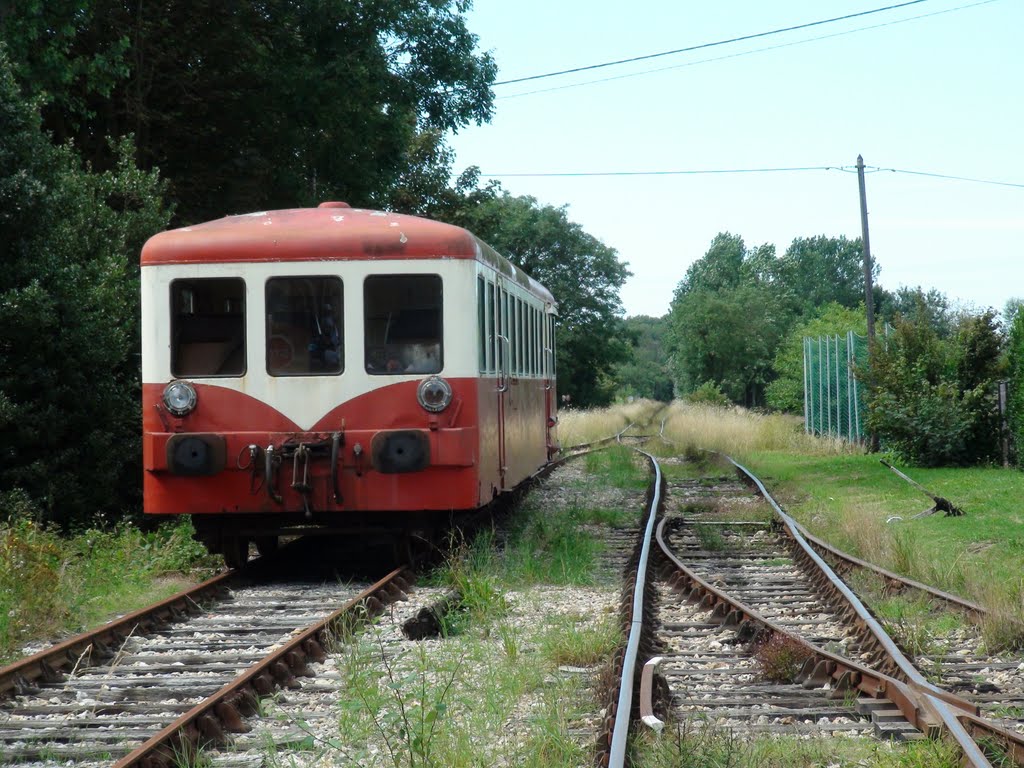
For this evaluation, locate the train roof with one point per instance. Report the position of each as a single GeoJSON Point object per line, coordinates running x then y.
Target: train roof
{"type": "Point", "coordinates": [334, 231]}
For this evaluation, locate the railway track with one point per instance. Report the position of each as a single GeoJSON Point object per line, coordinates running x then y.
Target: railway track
{"type": "Point", "coordinates": [152, 688]}
{"type": "Point", "coordinates": [757, 634]}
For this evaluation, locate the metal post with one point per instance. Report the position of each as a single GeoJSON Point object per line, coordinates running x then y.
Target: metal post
{"type": "Point", "coordinates": [856, 395]}
{"type": "Point", "coordinates": [828, 380]}
{"type": "Point", "coordinates": [839, 412]}
{"type": "Point", "coordinates": [1004, 427]}
{"type": "Point", "coordinates": [849, 388]}
{"type": "Point", "coordinates": [807, 391]}
{"type": "Point", "coordinates": [821, 392]}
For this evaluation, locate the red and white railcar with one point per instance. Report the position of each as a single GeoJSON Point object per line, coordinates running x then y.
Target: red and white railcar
{"type": "Point", "coordinates": [341, 368]}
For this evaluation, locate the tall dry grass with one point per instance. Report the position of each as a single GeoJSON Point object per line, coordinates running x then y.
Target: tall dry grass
{"type": "Point", "coordinates": [735, 430]}
{"type": "Point", "coordinates": [577, 426]}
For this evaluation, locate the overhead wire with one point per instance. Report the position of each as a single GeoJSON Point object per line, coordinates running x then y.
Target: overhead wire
{"type": "Point", "coordinates": [701, 46]}
{"type": "Point", "coordinates": [772, 169]}
{"type": "Point", "coordinates": [739, 54]}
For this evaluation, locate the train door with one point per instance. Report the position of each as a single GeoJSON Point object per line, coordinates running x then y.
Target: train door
{"type": "Point", "coordinates": [548, 372]}
{"type": "Point", "coordinates": [503, 360]}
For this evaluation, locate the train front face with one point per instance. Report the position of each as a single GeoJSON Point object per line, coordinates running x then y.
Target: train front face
{"type": "Point", "coordinates": [295, 369]}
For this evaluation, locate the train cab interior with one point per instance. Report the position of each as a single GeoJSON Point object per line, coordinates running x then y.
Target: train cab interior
{"type": "Point", "coordinates": [305, 333]}
{"type": "Point", "coordinates": [208, 327]}
{"type": "Point", "coordinates": [402, 324]}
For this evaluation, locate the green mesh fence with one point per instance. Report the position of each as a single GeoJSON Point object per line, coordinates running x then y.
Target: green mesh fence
{"type": "Point", "coordinates": [833, 399]}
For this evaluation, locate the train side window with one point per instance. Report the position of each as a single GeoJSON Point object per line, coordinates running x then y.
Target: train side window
{"type": "Point", "coordinates": [534, 346]}
{"type": "Point", "coordinates": [481, 325]}
{"type": "Point", "coordinates": [208, 327]}
{"type": "Point", "coordinates": [517, 338]}
{"type": "Point", "coordinates": [402, 323]}
{"type": "Point", "coordinates": [305, 333]}
{"type": "Point", "coordinates": [489, 340]}
{"type": "Point", "coordinates": [503, 348]}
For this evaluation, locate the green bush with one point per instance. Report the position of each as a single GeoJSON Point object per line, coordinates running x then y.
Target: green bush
{"type": "Point", "coordinates": [933, 400]}
{"type": "Point", "coordinates": [1015, 375]}
{"type": "Point", "coordinates": [709, 393]}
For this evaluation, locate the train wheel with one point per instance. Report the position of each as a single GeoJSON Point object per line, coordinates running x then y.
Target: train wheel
{"type": "Point", "coordinates": [415, 547]}
{"type": "Point", "coordinates": [236, 551]}
{"type": "Point", "coordinates": [267, 545]}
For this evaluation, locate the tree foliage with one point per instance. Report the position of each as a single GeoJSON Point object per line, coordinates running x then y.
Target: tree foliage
{"type": "Point", "coordinates": [786, 392]}
{"type": "Point", "coordinates": [646, 372]}
{"type": "Point", "coordinates": [933, 399]}
{"type": "Point", "coordinates": [68, 307]}
{"type": "Point", "coordinates": [583, 273]}
{"type": "Point", "coordinates": [822, 270]}
{"type": "Point", "coordinates": [246, 106]}
{"type": "Point", "coordinates": [727, 318]}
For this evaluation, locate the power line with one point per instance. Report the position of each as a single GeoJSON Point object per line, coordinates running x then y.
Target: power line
{"type": "Point", "coordinates": [689, 172]}
{"type": "Point", "coordinates": [744, 53]}
{"type": "Point", "coordinates": [709, 45]}
{"type": "Point", "coordinates": [724, 171]}
{"type": "Point", "coordinates": [947, 177]}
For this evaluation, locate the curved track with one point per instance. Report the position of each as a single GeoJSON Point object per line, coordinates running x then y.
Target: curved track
{"type": "Point", "coordinates": [761, 587]}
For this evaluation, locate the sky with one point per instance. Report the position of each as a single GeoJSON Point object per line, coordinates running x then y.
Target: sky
{"type": "Point", "coordinates": [942, 94]}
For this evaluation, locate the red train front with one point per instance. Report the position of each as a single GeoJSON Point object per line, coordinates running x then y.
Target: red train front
{"type": "Point", "coordinates": [338, 368]}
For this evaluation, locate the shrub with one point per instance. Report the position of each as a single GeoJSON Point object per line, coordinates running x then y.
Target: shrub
{"type": "Point", "coordinates": [709, 393]}
{"type": "Point", "coordinates": [933, 400]}
{"type": "Point", "coordinates": [781, 658]}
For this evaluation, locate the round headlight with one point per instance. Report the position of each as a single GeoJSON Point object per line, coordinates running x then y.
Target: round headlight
{"type": "Point", "coordinates": [434, 394]}
{"type": "Point", "coordinates": [180, 398]}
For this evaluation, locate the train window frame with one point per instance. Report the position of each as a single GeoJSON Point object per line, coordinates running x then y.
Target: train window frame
{"type": "Point", "coordinates": [481, 324]}
{"type": "Point", "coordinates": [216, 353]}
{"type": "Point", "coordinates": [404, 357]}
{"type": "Point", "coordinates": [490, 340]}
{"type": "Point", "coordinates": [290, 344]}
{"type": "Point", "coordinates": [503, 345]}
{"type": "Point", "coordinates": [517, 334]}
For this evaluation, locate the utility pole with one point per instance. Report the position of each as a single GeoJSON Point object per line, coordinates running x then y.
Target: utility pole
{"type": "Point", "coordinates": [869, 299]}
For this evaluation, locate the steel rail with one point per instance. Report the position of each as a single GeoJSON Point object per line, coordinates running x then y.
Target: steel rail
{"type": "Point", "coordinates": [972, 609]}
{"type": "Point", "coordinates": [210, 720]}
{"type": "Point", "coordinates": [104, 641]}
{"type": "Point", "coordinates": [601, 441]}
{"type": "Point", "coordinates": [935, 700]}
{"type": "Point", "coordinates": [823, 666]}
{"type": "Point", "coordinates": [927, 712]}
{"type": "Point", "coordinates": [624, 705]}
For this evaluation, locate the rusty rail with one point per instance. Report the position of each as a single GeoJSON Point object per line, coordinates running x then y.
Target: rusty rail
{"type": "Point", "coordinates": [211, 720]}
{"type": "Point", "coordinates": [101, 643]}
{"type": "Point", "coordinates": [959, 718]}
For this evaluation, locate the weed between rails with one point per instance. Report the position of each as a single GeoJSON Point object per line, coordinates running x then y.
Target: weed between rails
{"type": "Point", "coordinates": [699, 744]}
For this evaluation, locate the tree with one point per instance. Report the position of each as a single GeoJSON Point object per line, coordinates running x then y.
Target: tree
{"type": "Point", "coordinates": [246, 106]}
{"type": "Point", "coordinates": [931, 307]}
{"type": "Point", "coordinates": [583, 274]}
{"type": "Point", "coordinates": [69, 421]}
{"type": "Point", "coordinates": [786, 392]}
{"type": "Point", "coordinates": [819, 270]}
{"type": "Point", "coordinates": [647, 372]}
{"type": "Point", "coordinates": [727, 318]}
{"type": "Point", "coordinates": [932, 399]}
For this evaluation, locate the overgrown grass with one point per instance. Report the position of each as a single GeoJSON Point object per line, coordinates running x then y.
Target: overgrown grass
{"type": "Point", "coordinates": [52, 585]}
{"type": "Point", "coordinates": [701, 745]}
{"type": "Point", "coordinates": [584, 426]}
{"type": "Point", "coordinates": [736, 430]}
{"type": "Point", "coordinates": [618, 466]}
{"type": "Point", "coordinates": [860, 506]}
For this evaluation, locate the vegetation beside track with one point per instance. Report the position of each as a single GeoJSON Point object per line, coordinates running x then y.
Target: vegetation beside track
{"type": "Point", "coordinates": [512, 679]}
{"type": "Point", "coordinates": [849, 499]}
{"type": "Point", "coordinates": [53, 585]}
